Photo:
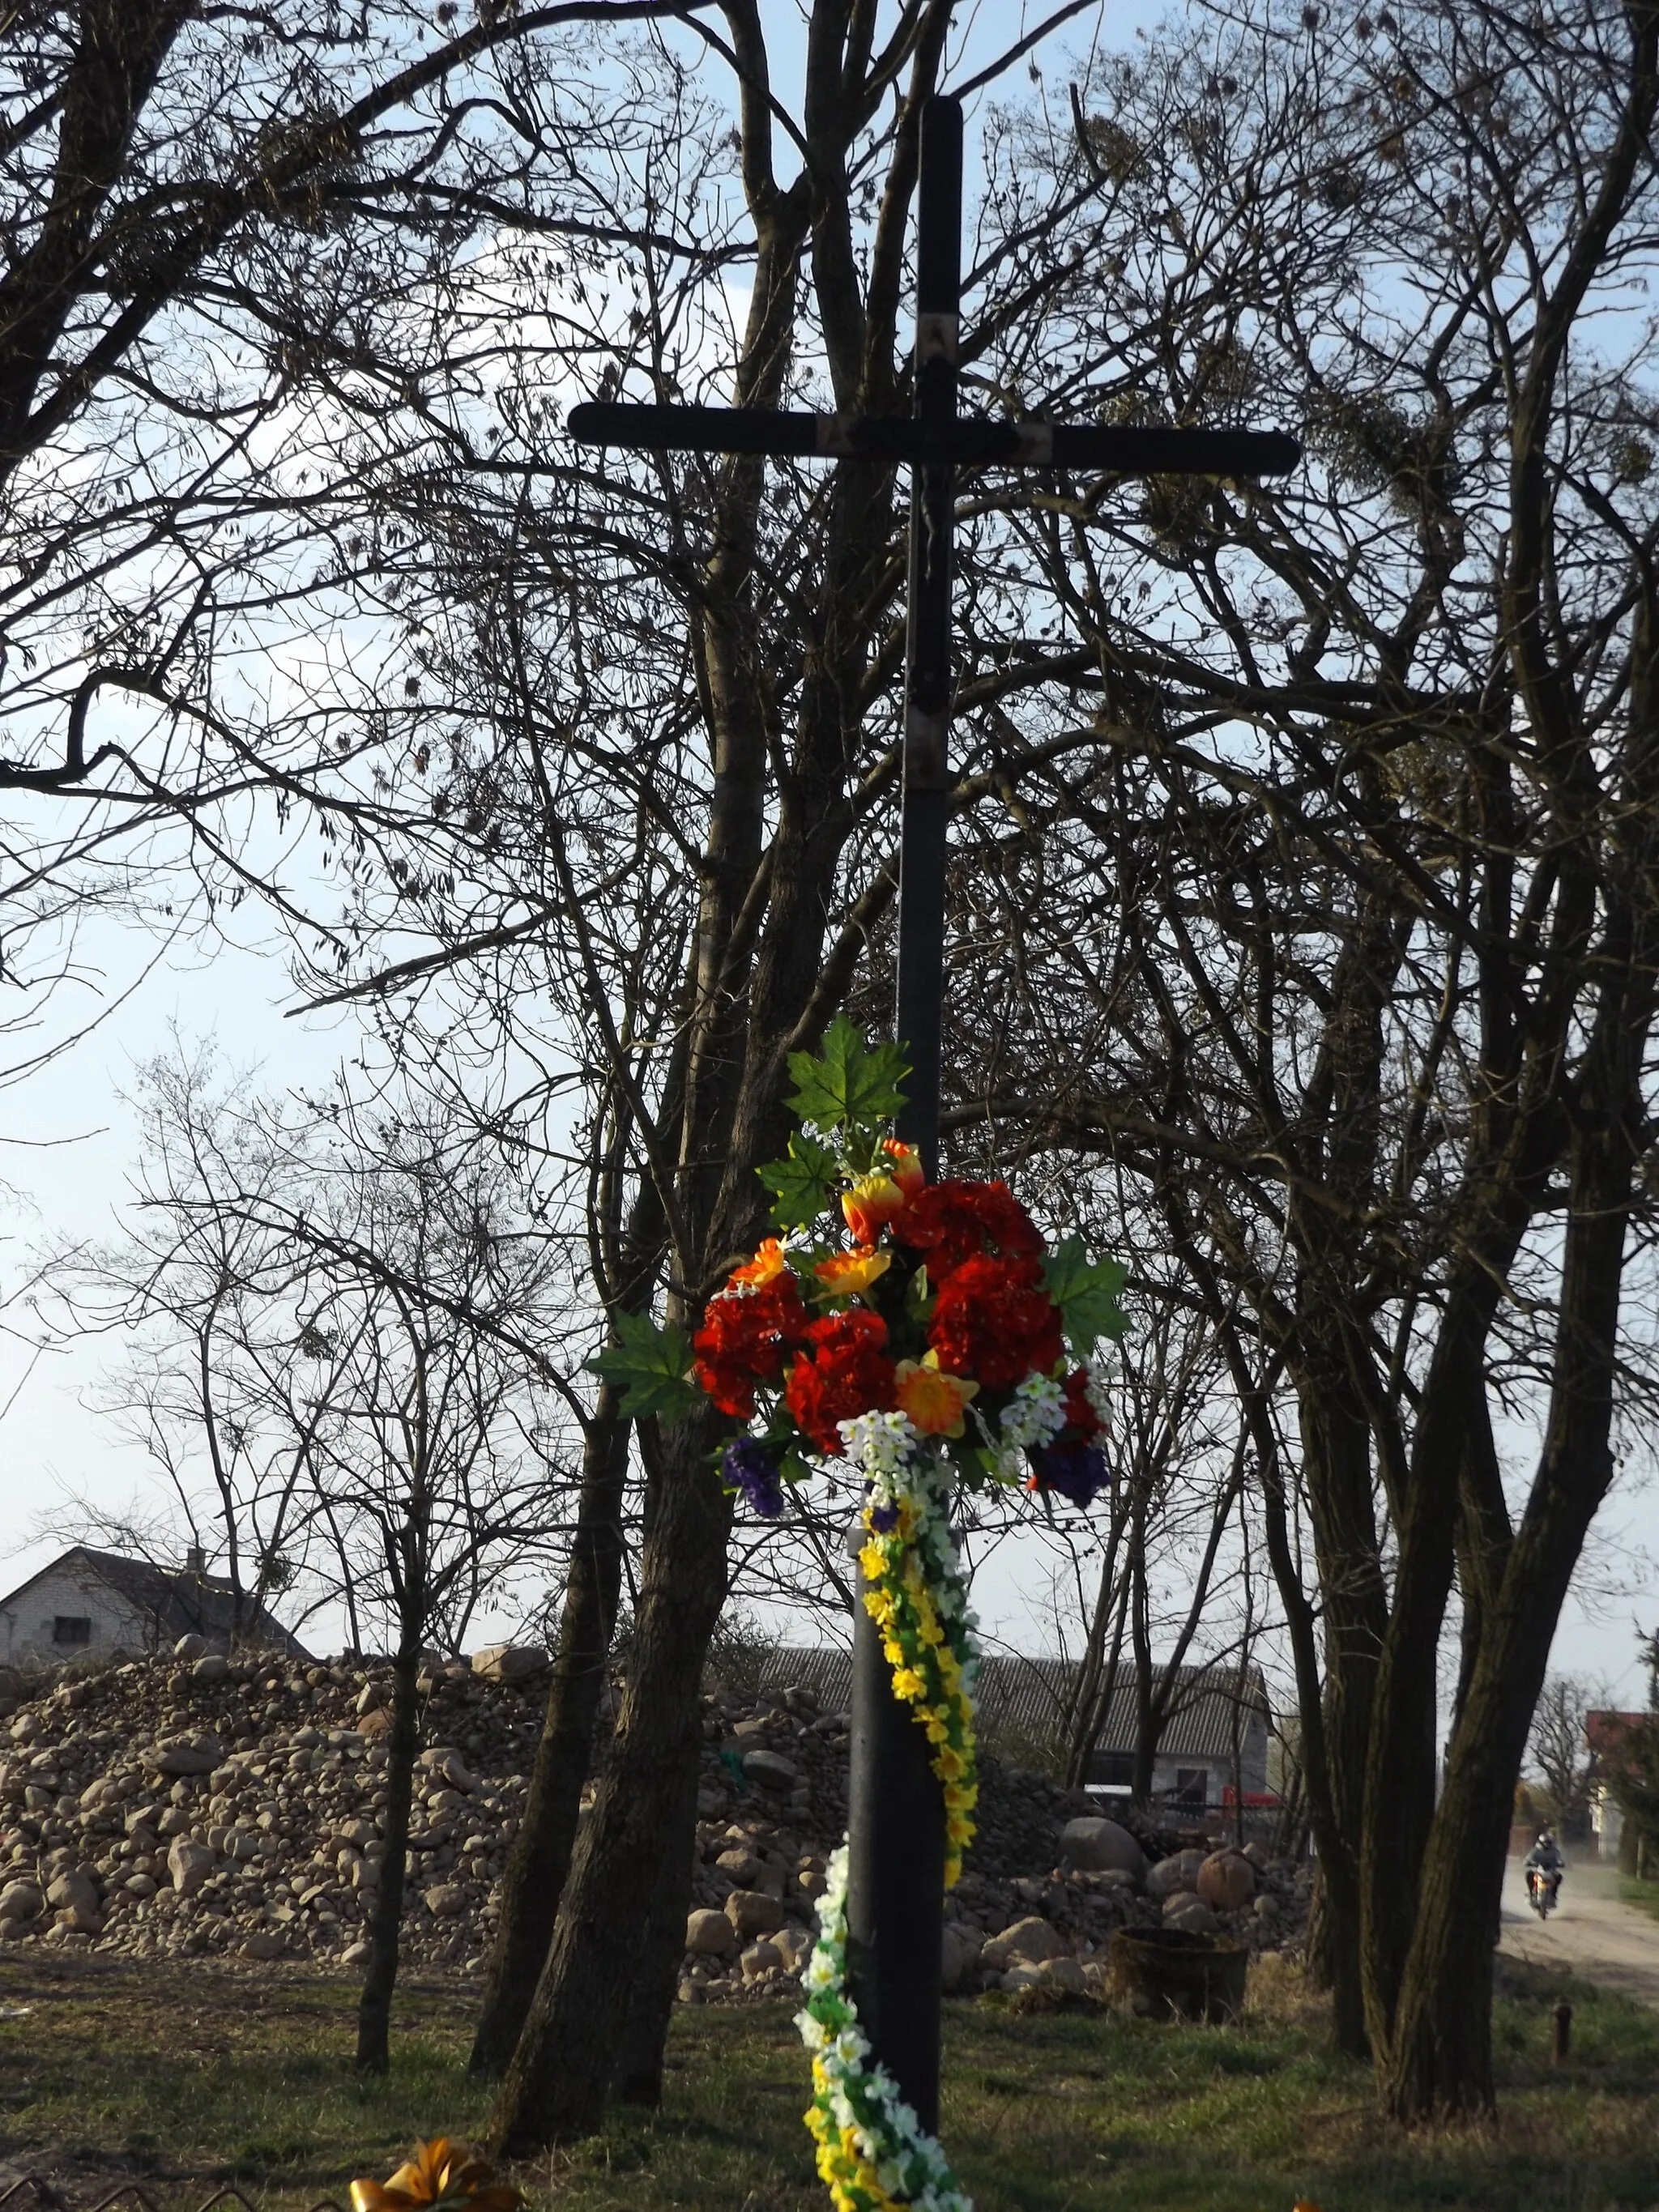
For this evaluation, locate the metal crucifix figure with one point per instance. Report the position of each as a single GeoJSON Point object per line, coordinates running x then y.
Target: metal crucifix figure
{"type": "Point", "coordinates": [896, 1808]}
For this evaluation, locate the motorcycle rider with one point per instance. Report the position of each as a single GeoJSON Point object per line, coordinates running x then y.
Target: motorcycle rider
{"type": "Point", "coordinates": [1544, 1858]}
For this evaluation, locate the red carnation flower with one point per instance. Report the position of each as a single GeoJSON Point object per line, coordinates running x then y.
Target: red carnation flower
{"type": "Point", "coordinates": [951, 1222]}
{"type": "Point", "coordinates": [847, 1372]}
{"type": "Point", "coordinates": [995, 1321]}
{"type": "Point", "coordinates": [743, 1340]}
{"type": "Point", "coordinates": [1081, 1420]}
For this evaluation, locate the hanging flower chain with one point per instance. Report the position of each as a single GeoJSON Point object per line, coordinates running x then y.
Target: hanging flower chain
{"type": "Point", "coordinates": [873, 2154]}
{"type": "Point", "coordinates": [931, 1351]}
{"type": "Point", "coordinates": [913, 1592]}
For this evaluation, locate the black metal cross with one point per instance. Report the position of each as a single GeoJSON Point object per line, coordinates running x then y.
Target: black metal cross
{"type": "Point", "coordinates": [896, 1813]}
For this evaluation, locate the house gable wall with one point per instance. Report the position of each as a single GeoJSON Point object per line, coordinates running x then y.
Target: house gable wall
{"type": "Point", "coordinates": [64, 1591]}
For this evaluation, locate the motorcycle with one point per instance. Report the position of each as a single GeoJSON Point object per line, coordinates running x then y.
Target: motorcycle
{"type": "Point", "coordinates": [1542, 1883]}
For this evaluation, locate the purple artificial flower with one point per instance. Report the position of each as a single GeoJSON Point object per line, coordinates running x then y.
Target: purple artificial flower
{"type": "Point", "coordinates": [883, 1518]}
{"type": "Point", "coordinates": [750, 1468]}
{"type": "Point", "coordinates": [1077, 1471]}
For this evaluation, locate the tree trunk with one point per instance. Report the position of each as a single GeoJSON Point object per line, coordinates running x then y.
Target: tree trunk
{"type": "Point", "coordinates": [1336, 1445]}
{"type": "Point", "coordinates": [540, 1860]}
{"type": "Point", "coordinates": [656, 1981]}
{"type": "Point", "coordinates": [374, 2005]}
{"type": "Point", "coordinates": [567, 2054]}
{"type": "Point", "coordinates": [1439, 2054]}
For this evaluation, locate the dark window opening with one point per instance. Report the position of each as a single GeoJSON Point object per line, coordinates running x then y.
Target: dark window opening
{"type": "Point", "coordinates": [71, 1628]}
{"type": "Point", "coordinates": [1193, 1784]}
{"type": "Point", "coordinates": [1116, 1768]}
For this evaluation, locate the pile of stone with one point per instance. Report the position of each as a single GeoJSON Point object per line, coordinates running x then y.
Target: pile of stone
{"type": "Point", "coordinates": [197, 1804]}
{"type": "Point", "coordinates": [752, 1928]}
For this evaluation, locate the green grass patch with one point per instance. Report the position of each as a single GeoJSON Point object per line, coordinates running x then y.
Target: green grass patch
{"type": "Point", "coordinates": [1642, 1894]}
{"type": "Point", "coordinates": [184, 2076]}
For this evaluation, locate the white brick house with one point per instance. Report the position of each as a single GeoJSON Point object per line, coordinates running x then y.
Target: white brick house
{"type": "Point", "coordinates": [97, 1604]}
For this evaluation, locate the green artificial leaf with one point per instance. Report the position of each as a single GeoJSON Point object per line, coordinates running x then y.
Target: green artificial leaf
{"type": "Point", "coordinates": [851, 1085]}
{"type": "Point", "coordinates": [976, 1463]}
{"type": "Point", "coordinates": [654, 1366]}
{"type": "Point", "coordinates": [800, 1185]}
{"type": "Point", "coordinates": [1087, 1292]}
{"type": "Point", "coordinates": [794, 1468]}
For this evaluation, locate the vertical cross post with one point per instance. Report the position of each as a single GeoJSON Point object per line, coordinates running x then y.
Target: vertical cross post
{"type": "Point", "coordinates": [896, 1874]}
{"type": "Point", "coordinates": [927, 636]}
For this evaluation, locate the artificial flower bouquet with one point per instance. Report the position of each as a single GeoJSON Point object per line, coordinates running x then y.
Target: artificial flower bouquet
{"type": "Point", "coordinates": [441, 2177]}
{"type": "Point", "coordinates": [916, 1336]}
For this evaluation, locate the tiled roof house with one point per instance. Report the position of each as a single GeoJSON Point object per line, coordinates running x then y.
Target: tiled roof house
{"type": "Point", "coordinates": [92, 1603]}
{"type": "Point", "coordinates": [1217, 1721]}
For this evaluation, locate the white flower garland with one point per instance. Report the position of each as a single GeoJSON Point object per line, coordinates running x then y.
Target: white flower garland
{"type": "Point", "coordinates": [873, 2152]}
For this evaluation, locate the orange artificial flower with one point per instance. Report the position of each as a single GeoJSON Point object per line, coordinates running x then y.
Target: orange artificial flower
{"type": "Point", "coordinates": [768, 1264]}
{"type": "Point", "coordinates": [871, 1203]}
{"type": "Point", "coordinates": [906, 1170]}
{"type": "Point", "coordinates": [935, 1402]}
{"type": "Point", "coordinates": [440, 2175]}
{"type": "Point", "coordinates": [849, 1274]}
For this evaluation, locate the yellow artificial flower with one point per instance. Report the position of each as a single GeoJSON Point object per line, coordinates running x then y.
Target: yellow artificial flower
{"type": "Point", "coordinates": [872, 1564]}
{"type": "Point", "coordinates": [768, 1264]}
{"type": "Point", "coordinates": [907, 1169]}
{"type": "Point", "coordinates": [936, 1402]}
{"type": "Point", "coordinates": [871, 1203]}
{"type": "Point", "coordinates": [440, 2174]}
{"type": "Point", "coordinates": [906, 1683]}
{"type": "Point", "coordinates": [849, 1274]}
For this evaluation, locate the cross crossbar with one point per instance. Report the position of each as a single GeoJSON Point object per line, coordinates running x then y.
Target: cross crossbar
{"type": "Point", "coordinates": [1126, 449]}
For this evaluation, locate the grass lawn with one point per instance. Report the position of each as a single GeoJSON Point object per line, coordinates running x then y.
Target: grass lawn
{"type": "Point", "coordinates": [1645, 1894]}
{"type": "Point", "coordinates": [183, 2075]}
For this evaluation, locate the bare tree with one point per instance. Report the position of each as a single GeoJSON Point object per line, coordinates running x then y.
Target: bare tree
{"type": "Point", "coordinates": [1560, 1746]}
{"type": "Point", "coordinates": [366, 1374]}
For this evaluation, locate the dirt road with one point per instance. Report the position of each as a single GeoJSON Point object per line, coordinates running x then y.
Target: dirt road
{"type": "Point", "coordinates": [1589, 1933]}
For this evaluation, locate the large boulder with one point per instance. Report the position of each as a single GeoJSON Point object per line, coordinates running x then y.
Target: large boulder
{"type": "Point", "coordinates": [197, 1753]}
{"type": "Point", "coordinates": [71, 1889]}
{"type": "Point", "coordinates": [1096, 1845]}
{"type": "Point", "coordinates": [190, 1647]}
{"type": "Point", "coordinates": [759, 1959]}
{"type": "Point", "coordinates": [1027, 1943]}
{"type": "Point", "coordinates": [710, 1934]}
{"type": "Point", "coordinates": [1189, 1914]}
{"type": "Point", "coordinates": [445, 1901]}
{"type": "Point", "coordinates": [190, 1864]}
{"type": "Point", "coordinates": [448, 1765]}
{"type": "Point", "coordinates": [770, 1769]}
{"type": "Point", "coordinates": [963, 1949]}
{"type": "Point", "coordinates": [752, 1913]}
{"type": "Point", "coordinates": [212, 1667]}
{"type": "Point", "coordinates": [1226, 1881]}
{"type": "Point", "coordinates": [510, 1662]}
{"type": "Point", "coordinates": [1065, 1974]}
{"type": "Point", "coordinates": [20, 1900]}
{"type": "Point", "coordinates": [1176, 1873]}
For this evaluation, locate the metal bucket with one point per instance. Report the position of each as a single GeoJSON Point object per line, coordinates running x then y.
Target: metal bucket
{"type": "Point", "coordinates": [1165, 1973]}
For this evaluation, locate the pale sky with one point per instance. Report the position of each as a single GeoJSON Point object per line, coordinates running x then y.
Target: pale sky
{"type": "Point", "coordinates": [66, 1148]}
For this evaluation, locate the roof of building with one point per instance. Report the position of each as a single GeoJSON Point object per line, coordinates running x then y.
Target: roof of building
{"type": "Point", "coordinates": [177, 1600]}
{"type": "Point", "coordinates": [1604, 1731]}
{"type": "Point", "coordinates": [1027, 1697]}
